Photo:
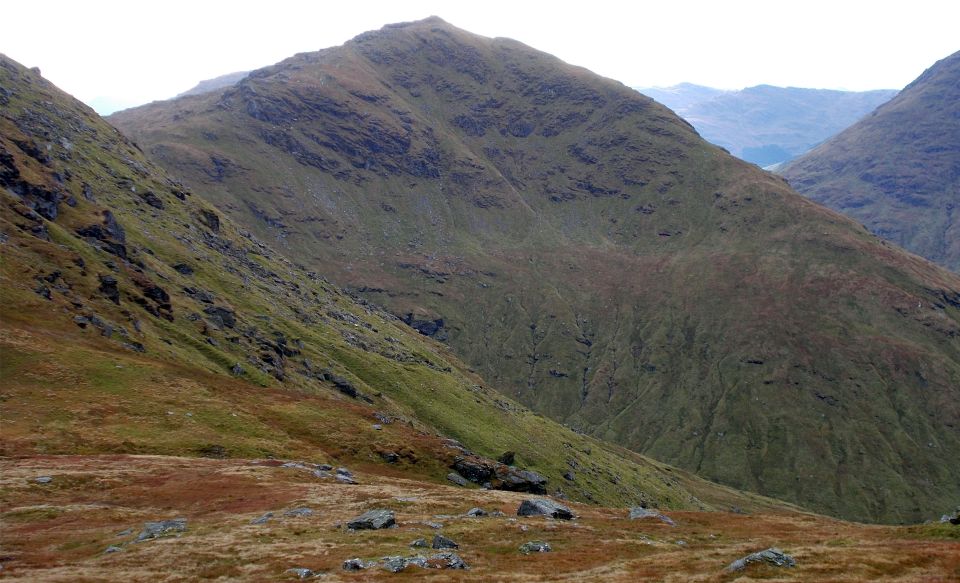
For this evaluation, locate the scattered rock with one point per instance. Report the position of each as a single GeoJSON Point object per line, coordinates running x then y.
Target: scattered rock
{"type": "Point", "coordinates": [952, 518]}
{"type": "Point", "coordinates": [391, 457]}
{"type": "Point", "coordinates": [373, 520]}
{"type": "Point", "coordinates": [263, 519]}
{"type": "Point", "coordinates": [544, 507]}
{"type": "Point", "coordinates": [457, 479]}
{"type": "Point", "coordinates": [345, 479]}
{"type": "Point", "coordinates": [161, 528]}
{"type": "Point", "coordinates": [535, 546]}
{"type": "Point", "coordinates": [445, 561]}
{"type": "Point", "coordinates": [420, 543]}
{"type": "Point", "coordinates": [183, 269]}
{"type": "Point", "coordinates": [222, 316]}
{"type": "Point", "coordinates": [112, 549]}
{"type": "Point", "coordinates": [152, 199]}
{"type": "Point", "coordinates": [497, 475]}
{"type": "Point", "coordinates": [639, 512]}
{"type": "Point", "coordinates": [442, 542]}
{"type": "Point", "coordinates": [475, 470]}
{"type": "Point", "coordinates": [476, 512]}
{"type": "Point", "coordinates": [301, 572]}
{"type": "Point", "coordinates": [302, 511]}
{"type": "Point", "coordinates": [507, 458]}
{"type": "Point", "coordinates": [394, 564]}
{"type": "Point", "coordinates": [772, 556]}
{"type": "Point", "coordinates": [43, 479]}
{"type": "Point", "coordinates": [214, 450]}
{"type": "Point", "coordinates": [515, 480]}
{"type": "Point", "coordinates": [110, 289]}
{"type": "Point", "coordinates": [356, 565]}
{"type": "Point", "coordinates": [210, 219]}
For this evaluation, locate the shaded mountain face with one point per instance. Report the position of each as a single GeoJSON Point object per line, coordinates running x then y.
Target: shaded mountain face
{"type": "Point", "coordinates": [898, 170]}
{"type": "Point", "coordinates": [768, 125]}
{"type": "Point", "coordinates": [582, 247]}
{"type": "Point", "coordinates": [136, 318]}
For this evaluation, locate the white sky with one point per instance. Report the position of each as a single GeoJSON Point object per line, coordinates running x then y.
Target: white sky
{"type": "Point", "coordinates": [133, 51]}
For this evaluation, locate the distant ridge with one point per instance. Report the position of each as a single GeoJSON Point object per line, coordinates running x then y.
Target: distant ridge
{"type": "Point", "coordinates": [216, 83]}
{"type": "Point", "coordinates": [764, 124]}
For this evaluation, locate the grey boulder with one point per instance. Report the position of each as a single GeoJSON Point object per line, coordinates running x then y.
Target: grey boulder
{"type": "Point", "coordinates": [638, 513]}
{"type": "Point", "coordinates": [442, 542]}
{"type": "Point", "coordinates": [772, 556]}
{"type": "Point", "coordinates": [162, 528]}
{"type": "Point", "coordinates": [535, 546]}
{"type": "Point", "coordinates": [544, 507]}
{"type": "Point", "coordinates": [373, 520]}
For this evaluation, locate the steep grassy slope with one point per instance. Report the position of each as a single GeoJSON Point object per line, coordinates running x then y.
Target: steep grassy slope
{"type": "Point", "coordinates": [583, 247]}
{"type": "Point", "coordinates": [768, 125]}
{"type": "Point", "coordinates": [136, 319]}
{"type": "Point", "coordinates": [898, 170]}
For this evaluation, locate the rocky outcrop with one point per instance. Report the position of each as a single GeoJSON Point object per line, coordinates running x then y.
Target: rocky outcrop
{"type": "Point", "coordinates": [499, 476]}
{"type": "Point", "coordinates": [162, 528]}
{"type": "Point", "coordinates": [373, 520]}
{"type": "Point", "coordinates": [772, 556]}
{"type": "Point", "coordinates": [544, 507]}
{"type": "Point", "coordinates": [535, 546]}
{"type": "Point", "coordinates": [639, 512]}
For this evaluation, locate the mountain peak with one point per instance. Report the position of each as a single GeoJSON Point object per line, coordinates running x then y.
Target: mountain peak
{"type": "Point", "coordinates": [586, 251]}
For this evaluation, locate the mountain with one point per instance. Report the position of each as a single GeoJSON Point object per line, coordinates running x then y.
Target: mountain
{"type": "Point", "coordinates": [682, 96]}
{"type": "Point", "coordinates": [216, 83]}
{"type": "Point", "coordinates": [898, 170]}
{"type": "Point", "coordinates": [149, 348]}
{"type": "Point", "coordinates": [768, 125]}
{"type": "Point", "coordinates": [583, 248]}
{"type": "Point", "coordinates": [137, 319]}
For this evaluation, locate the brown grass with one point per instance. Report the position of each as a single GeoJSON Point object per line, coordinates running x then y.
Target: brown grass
{"type": "Point", "coordinates": [58, 532]}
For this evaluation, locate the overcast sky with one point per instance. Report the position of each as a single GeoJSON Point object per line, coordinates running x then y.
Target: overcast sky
{"type": "Point", "coordinates": [131, 52]}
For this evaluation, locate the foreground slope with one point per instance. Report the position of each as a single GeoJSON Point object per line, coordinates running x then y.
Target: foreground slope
{"type": "Point", "coordinates": [583, 247]}
{"type": "Point", "coordinates": [59, 531]}
{"type": "Point", "coordinates": [768, 125]}
{"type": "Point", "coordinates": [136, 319]}
{"type": "Point", "coordinates": [898, 170]}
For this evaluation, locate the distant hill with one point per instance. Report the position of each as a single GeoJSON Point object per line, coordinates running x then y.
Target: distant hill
{"type": "Point", "coordinates": [898, 170]}
{"type": "Point", "coordinates": [582, 247]}
{"type": "Point", "coordinates": [767, 125]}
{"type": "Point", "coordinates": [215, 83]}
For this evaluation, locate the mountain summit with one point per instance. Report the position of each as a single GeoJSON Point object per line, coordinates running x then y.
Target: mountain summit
{"type": "Point", "coordinates": [584, 249]}
{"type": "Point", "coordinates": [898, 170]}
